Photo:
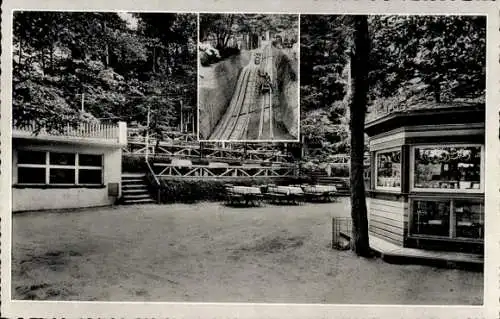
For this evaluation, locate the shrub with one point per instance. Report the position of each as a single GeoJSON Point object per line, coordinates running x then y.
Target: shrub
{"type": "Point", "coordinates": [227, 52]}
{"type": "Point", "coordinates": [191, 190]}
{"type": "Point", "coordinates": [133, 164]}
{"type": "Point", "coordinates": [340, 171]}
{"type": "Point", "coordinates": [160, 159]}
{"type": "Point", "coordinates": [137, 164]}
{"type": "Point", "coordinates": [208, 57]}
{"type": "Point", "coordinates": [200, 161]}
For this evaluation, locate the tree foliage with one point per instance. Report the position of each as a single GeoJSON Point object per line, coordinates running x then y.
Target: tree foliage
{"type": "Point", "coordinates": [119, 71]}
{"type": "Point", "coordinates": [221, 27]}
{"type": "Point", "coordinates": [413, 60]}
{"type": "Point", "coordinates": [438, 58]}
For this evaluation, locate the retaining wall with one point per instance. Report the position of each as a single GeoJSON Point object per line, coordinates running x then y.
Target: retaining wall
{"type": "Point", "coordinates": [288, 111]}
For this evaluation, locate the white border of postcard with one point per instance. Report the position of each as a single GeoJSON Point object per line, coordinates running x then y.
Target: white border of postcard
{"type": "Point", "coordinates": [52, 309]}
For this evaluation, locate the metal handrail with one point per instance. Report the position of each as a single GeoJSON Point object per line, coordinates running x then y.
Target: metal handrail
{"type": "Point", "coordinates": [157, 181]}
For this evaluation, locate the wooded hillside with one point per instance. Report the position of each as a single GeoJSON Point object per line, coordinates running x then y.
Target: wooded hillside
{"type": "Point", "coordinates": [121, 63]}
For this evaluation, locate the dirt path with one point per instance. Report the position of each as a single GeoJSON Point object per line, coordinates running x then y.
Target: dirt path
{"type": "Point", "coordinates": [209, 252]}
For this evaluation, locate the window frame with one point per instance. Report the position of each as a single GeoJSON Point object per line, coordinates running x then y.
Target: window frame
{"type": "Point", "coordinates": [452, 231]}
{"type": "Point", "coordinates": [375, 170]}
{"type": "Point", "coordinates": [47, 167]}
{"type": "Point", "coordinates": [446, 190]}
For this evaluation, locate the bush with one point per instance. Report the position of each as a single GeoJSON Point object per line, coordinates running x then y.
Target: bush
{"type": "Point", "coordinates": [137, 164]}
{"type": "Point", "coordinates": [192, 190]}
{"type": "Point", "coordinates": [160, 159]}
{"type": "Point", "coordinates": [200, 161]}
{"type": "Point", "coordinates": [133, 164]}
{"type": "Point", "coordinates": [340, 171]}
{"type": "Point", "coordinates": [227, 52]}
{"type": "Point", "coordinates": [207, 57]}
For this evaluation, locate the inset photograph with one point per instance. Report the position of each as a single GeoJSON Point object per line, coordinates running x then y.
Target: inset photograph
{"type": "Point", "coordinates": [248, 77]}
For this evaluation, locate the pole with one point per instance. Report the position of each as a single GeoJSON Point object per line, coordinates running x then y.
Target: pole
{"type": "Point", "coordinates": [83, 102]}
{"type": "Point", "coordinates": [147, 133]}
{"type": "Point", "coordinates": [271, 94]}
{"type": "Point", "coordinates": [192, 123]}
{"type": "Point", "coordinates": [182, 124]}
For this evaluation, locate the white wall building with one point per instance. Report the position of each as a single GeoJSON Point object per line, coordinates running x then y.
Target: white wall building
{"type": "Point", "coordinates": [78, 168]}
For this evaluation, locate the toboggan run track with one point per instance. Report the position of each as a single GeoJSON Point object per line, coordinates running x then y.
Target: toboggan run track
{"type": "Point", "coordinates": [234, 125]}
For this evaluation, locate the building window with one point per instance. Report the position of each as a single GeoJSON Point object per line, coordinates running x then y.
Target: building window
{"type": "Point", "coordinates": [62, 176]}
{"type": "Point", "coordinates": [454, 168]}
{"type": "Point", "coordinates": [450, 218]}
{"type": "Point", "coordinates": [62, 159]}
{"type": "Point", "coordinates": [30, 175]}
{"type": "Point", "coordinates": [29, 157]}
{"type": "Point", "coordinates": [57, 168]}
{"type": "Point", "coordinates": [388, 170]}
{"type": "Point", "coordinates": [431, 217]}
{"type": "Point", "coordinates": [469, 218]}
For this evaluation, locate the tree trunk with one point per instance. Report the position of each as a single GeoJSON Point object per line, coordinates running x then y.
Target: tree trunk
{"type": "Point", "coordinates": [43, 60]}
{"type": "Point", "coordinates": [52, 58]}
{"type": "Point", "coordinates": [154, 59]}
{"type": "Point", "coordinates": [20, 49]}
{"type": "Point", "coordinates": [357, 107]}
{"type": "Point", "coordinates": [106, 49]}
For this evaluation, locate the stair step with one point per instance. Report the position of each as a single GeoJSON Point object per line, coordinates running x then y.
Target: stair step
{"type": "Point", "coordinates": [132, 196]}
{"type": "Point", "coordinates": [139, 201]}
{"type": "Point", "coordinates": [134, 185]}
{"type": "Point", "coordinates": [135, 191]}
{"type": "Point", "coordinates": [132, 175]}
{"type": "Point", "coordinates": [132, 180]}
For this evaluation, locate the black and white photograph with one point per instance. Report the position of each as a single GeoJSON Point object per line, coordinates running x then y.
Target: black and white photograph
{"type": "Point", "coordinates": [115, 200]}
{"type": "Point", "coordinates": [248, 77]}
{"type": "Point", "coordinates": [247, 164]}
{"type": "Point", "coordinates": [419, 147]}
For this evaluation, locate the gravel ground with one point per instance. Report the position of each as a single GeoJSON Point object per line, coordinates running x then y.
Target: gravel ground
{"type": "Point", "coordinates": [208, 252]}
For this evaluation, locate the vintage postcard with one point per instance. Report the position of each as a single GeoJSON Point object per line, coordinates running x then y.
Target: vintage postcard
{"type": "Point", "coordinates": [250, 159]}
{"type": "Point", "coordinates": [248, 77]}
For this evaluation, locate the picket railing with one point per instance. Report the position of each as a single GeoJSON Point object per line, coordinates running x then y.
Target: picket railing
{"type": "Point", "coordinates": [83, 130]}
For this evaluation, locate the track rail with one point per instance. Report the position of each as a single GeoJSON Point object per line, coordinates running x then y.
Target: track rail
{"type": "Point", "coordinates": [235, 102]}
{"type": "Point", "coordinates": [246, 104]}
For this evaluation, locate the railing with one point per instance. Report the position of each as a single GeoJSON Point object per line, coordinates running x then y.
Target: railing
{"type": "Point", "coordinates": [150, 175]}
{"type": "Point", "coordinates": [393, 105]}
{"type": "Point", "coordinates": [84, 130]}
{"type": "Point", "coordinates": [138, 134]}
{"type": "Point", "coordinates": [337, 159]}
{"type": "Point", "coordinates": [171, 170]}
{"type": "Point", "coordinates": [227, 151]}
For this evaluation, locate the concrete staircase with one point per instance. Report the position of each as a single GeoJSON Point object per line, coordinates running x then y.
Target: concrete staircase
{"type": "Point", "coordinates": [135, 189]}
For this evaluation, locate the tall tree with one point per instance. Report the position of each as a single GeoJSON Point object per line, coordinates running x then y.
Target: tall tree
{"type": "Point", "coordinates": [358, 104]}
{"type": "Point", "coordinates": [58, 56]}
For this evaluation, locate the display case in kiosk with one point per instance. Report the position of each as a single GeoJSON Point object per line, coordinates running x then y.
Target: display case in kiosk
{"type": "Point", "coordinates": [427, 177]}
